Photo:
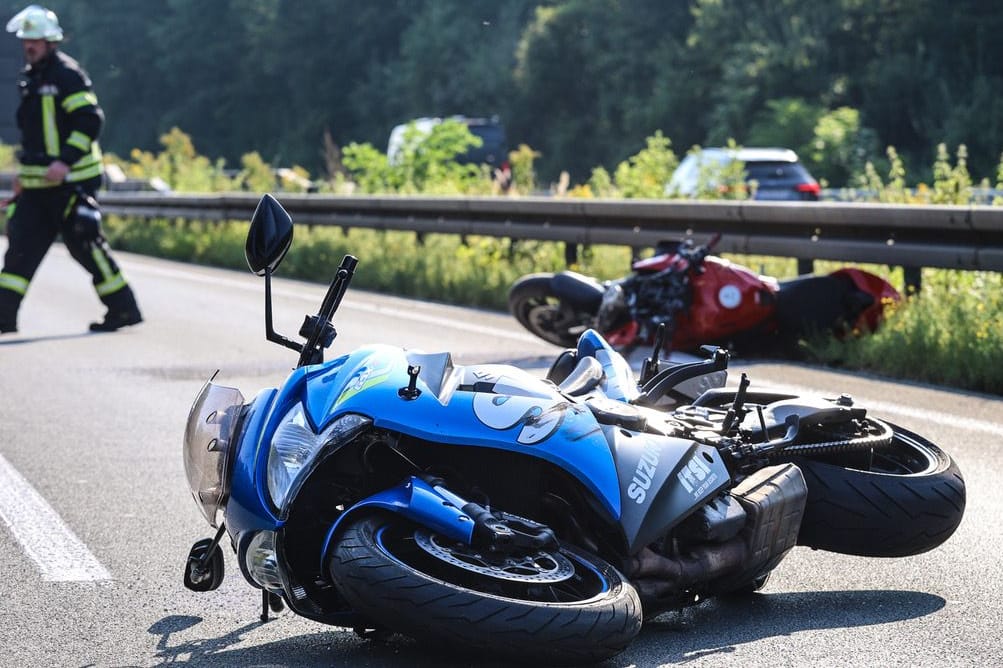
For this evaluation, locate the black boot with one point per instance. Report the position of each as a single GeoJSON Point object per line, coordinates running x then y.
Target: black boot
{"type": "Point", "coordinates": [115, 320]}
{"type": "Point", "coordinates": [122, 312]}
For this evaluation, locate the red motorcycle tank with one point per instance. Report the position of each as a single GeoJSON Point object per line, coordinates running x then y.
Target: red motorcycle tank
{"type": "Point", "coordinates": [727, 298]}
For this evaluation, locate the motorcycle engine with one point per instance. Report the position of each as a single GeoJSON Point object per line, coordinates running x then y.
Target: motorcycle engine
{"type": "Point", "coordinates": [729, 546]}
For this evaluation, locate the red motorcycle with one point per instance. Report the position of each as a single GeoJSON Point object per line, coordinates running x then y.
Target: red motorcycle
{"type": "Point", "coordinates": [700, 299]}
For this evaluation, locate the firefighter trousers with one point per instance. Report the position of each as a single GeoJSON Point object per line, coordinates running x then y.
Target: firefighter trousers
{"type": "Point", "coordinates": [38, 217]}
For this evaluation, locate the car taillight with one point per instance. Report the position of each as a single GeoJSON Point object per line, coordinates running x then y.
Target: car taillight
{"type": "Point", "coordinates": [812, 188]}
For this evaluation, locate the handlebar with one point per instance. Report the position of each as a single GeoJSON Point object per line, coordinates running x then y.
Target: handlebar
{"type": "Point", "coordinates": [319, 331]}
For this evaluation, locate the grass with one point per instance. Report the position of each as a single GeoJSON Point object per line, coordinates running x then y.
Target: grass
{"type": "Point", "coordinates": [951, 333]}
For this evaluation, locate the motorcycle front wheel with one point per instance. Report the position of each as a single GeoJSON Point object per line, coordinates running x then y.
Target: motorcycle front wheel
{"type": "Point", "coordinates": [901, 499]}
{"type": "Point", "coordinates": [560, 606]}
{"type": "Point", "coordinates": [533, 303]}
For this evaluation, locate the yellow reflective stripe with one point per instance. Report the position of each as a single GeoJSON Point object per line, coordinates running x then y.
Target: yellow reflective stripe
{"type": "Point", "coordinates": [69, 206]}
{"type": "Point", "coordinates": [114, 284]}
{"type": "Point", "coordinates": [35, 182]}
{"type": "Point", "coordinates": [32, 170]}
{"type": "Point", "coordinates": [14, 283]}
{"type": "Point", "coordinates": [82, 99]}
{"type": "Point", "coordinates": [88, 166]}
{"type": "Point", "coordinates": [80, 140]}
{"type": "Point", "coordinates": [90, 158]}
{"type": "Point", "coordinates": [101, 260]}
{"type": "Point", "coordinates": [84, 173]}
{"type": "Point", "coordinates": [49, 130]}
{"type": "Point", "coordinates": [33, 176]}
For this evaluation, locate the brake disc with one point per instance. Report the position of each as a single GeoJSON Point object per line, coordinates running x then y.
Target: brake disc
{"type": "Point", "coordinates": [539, 567]}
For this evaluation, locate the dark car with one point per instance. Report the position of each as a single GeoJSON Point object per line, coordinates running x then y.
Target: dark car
{"type": "Point", "coordinates": [777, 173]}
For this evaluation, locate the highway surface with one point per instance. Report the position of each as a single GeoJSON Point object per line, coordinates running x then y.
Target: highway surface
{"type": "Point", "coordinates": [96, 519]}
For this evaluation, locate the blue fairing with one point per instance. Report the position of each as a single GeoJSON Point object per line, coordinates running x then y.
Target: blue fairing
{"type": "Point", "coordinates": [429, 506]}
{"type": "Point", "coordinates": [247, 508]}
{"type": "Point", "coordinates": [494, 406]}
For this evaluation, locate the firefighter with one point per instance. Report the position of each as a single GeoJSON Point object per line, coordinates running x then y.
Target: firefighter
{"type": "Point", "coordinates": [59, 174]}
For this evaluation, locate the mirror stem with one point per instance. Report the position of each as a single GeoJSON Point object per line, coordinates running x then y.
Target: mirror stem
{"type": "Point", "coordinates": [270, 333]}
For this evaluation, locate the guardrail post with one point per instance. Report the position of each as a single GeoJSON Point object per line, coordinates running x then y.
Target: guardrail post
{"type": "Point", "coordinates": [806, 266]}
{"type": "Point", "coordinates": [913, 278]}
{"type": "Point", "coordinates": [570, 253]}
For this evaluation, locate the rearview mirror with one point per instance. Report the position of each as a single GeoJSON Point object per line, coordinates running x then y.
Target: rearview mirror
{"type": "Point", "coordinates": [269, 237]}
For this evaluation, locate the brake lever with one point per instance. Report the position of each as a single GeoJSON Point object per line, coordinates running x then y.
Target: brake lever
{"type": "Point", "coordinates": [793, 423]}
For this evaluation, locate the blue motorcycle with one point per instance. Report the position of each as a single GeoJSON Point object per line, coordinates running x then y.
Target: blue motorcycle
{"type": "Point", "coordinates": [534, 518]}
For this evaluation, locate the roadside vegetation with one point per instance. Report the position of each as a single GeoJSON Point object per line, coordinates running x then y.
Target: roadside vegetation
{"type": "Point", "coordinates": [950, 333]}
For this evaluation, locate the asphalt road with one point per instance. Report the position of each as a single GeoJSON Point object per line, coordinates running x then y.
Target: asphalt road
{"type": "Point", "coordinates": [97, 517]}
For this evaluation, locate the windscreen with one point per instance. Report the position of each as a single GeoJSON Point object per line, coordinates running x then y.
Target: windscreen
{"type": "Point", "coordinates": [208, 436]}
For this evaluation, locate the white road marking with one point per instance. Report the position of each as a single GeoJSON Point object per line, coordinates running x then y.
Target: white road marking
{"type": "Point", "coordinates": [442, 322]}
{"type": "Point", "coordinates": [44, 537]}
{"type": "Point", "coordinates": [351, 304]}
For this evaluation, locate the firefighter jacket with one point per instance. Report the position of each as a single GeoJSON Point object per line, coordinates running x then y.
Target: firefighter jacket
{"type": "Point", "coordinates": [60, 119]}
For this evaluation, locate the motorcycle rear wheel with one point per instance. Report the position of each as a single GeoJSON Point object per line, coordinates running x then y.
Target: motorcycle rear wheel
{"type": "Point", "coordinates": [533, 303]}
{"type": "Point", "coordinates": [910, 499]}
{"type": "Point", "coordinates": [382, 570]}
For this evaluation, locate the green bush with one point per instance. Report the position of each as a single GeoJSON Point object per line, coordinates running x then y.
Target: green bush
{"type": "Point", "coordinates": [951, 333]}
{"type": "Point", "coordinates": [425, 164]}
{"type": "Point", "coordinates": [645, 174]}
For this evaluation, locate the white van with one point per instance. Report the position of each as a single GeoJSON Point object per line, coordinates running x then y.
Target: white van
{"type": "Point", "coordinates": [493, 150]}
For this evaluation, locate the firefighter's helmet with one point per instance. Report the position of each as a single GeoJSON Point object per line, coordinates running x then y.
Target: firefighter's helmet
{"type": "Point", "coordinates": [36, 22]}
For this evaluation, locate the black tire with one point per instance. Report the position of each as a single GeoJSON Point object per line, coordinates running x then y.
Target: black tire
{"type": "Point", "coordinates": [534, 304]}
{"type": "Point", "coordinates": [910, 500]}
{"type": "Point", "coordinates": [384, 573]}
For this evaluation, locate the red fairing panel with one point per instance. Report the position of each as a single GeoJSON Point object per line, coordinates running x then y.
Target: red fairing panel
{"type": "Point", "coordinates": [882, 291]}
{"type": "Point", "coordinates": [726, 298]}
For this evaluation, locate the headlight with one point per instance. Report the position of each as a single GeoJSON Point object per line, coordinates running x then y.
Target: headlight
{"type": "Point", "coordinates": [295, 446]}
{"type": "Point", "coordinates": [261, 561]}
{"type": "Point", "coordinates": [209, 434]}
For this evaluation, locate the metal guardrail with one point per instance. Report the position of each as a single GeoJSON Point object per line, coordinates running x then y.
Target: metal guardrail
{"type": "Point", "coordinates": [953, 237]}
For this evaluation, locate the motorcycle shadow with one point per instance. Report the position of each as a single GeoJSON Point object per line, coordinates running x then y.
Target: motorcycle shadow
{"type": "Point", "coordinates": [335, 647]}
{"type": "Point", "coordinates": [720, 625]}
{"type": "Point", "coordinates": [716, 627]}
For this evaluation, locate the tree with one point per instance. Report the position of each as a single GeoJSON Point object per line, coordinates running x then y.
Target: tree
{"type": "Point", "coordinates": [585, 70]}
